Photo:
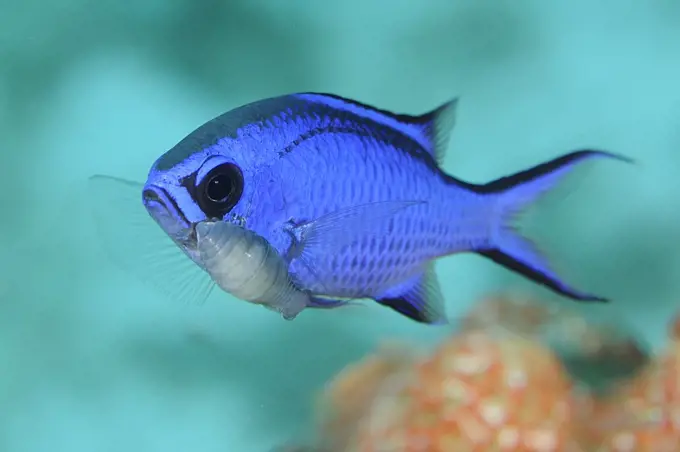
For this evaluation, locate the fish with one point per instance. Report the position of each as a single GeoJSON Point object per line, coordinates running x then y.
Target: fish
{"type": "Point", "coordinates": [353, 198]}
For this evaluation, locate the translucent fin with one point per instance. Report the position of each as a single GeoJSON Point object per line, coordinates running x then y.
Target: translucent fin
{"type": "Point", "coordinates": [438, 126]}
{"type": "Point", "coordinates": [331, 232]}
{"type": "Point", "coordinates": [136, 244]}
{"type": "Point", "coordinates": [314, 240]}
{"type": "Point", "coordinates": [419, 299]}
{"type": "Point", "coordinates": [513, 194]}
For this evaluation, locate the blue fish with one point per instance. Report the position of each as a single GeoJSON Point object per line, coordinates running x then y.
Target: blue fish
{"type": "Point", "coordinates": [352, 196]}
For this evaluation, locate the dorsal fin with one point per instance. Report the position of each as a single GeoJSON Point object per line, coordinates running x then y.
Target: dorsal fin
{"type": "Point", "coordinates": [431, 130]}
{"type": "Point", "coordinates": [437, 126]}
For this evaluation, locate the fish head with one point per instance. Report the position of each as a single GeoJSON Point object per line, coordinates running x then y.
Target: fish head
{"type": "Point", "coordinates": [205, 186]}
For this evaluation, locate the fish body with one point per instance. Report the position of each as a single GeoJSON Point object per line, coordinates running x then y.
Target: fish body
{"type": "Point", "coordinates": [247, 266]}
{"type": "Point", "coordinates": [352, 198]}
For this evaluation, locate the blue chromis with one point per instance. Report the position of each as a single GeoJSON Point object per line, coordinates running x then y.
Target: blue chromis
{"type": "Point", "coordinates": [350, 198]}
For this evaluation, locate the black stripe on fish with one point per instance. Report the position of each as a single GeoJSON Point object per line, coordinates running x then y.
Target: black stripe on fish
{"type": "Point", "coordinates": [430, 130]}
{"type": "Point", "coordinates": [504, 183]}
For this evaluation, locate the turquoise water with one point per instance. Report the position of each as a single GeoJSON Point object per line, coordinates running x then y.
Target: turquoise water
{"type": "Point", "coordinates": [92, 360]}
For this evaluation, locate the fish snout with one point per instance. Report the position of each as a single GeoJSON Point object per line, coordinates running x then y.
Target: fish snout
{"type": "Point", "coordinates": [164, 210]}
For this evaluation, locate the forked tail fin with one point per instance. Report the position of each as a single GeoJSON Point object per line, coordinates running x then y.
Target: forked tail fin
{"type": "Point", "coordinates": [512, 194]}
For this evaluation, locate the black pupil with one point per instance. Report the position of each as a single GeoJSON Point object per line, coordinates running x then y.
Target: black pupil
{"type": "Point", "coordinates": [219, 188]}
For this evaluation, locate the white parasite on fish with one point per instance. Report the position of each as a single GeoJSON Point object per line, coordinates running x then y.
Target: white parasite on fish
{"type": "Point", "coordinates": [245, 265]}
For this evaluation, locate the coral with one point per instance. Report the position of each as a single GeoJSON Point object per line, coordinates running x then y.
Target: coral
{"type": "Point", "coordinates": [643, 414]}
{"type": "Point", "coordinates": [500, 383]}
{"type": "Point", "coordinates": [350, 395]}
{"type": "Point", "coordinates": [464, 398]}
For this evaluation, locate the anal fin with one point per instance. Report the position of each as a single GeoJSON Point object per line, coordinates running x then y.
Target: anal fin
{"type": "Point", "coordinates": [419, 298]}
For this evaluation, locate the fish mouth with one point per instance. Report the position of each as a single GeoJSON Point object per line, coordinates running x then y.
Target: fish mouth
{"type": "Point", "coordinates": [164, 210]}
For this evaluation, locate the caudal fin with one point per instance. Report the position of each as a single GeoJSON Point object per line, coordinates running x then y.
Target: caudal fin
{"type": "Point", "coordinates": [512, 194]}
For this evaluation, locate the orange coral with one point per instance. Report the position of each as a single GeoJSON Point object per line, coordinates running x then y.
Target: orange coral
{"type": "Point", "coordinates": [466, 398]}
{"type": "Point", "coordinates": [485, 391]}
{"type": "Point", "coordinates": [643, 415]}
{"type": "Point", "coordinates": [350, 395]}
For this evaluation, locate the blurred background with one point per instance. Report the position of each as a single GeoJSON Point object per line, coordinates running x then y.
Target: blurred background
{"type": "Point", "coordinates": [94, 360]}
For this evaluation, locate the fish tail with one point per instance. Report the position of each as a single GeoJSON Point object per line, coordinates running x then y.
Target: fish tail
{"type": "Point", "coordinates": [512, 195]}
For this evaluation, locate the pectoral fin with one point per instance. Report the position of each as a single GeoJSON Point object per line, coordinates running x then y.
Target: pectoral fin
{"type": "Point", "coordinates": [315, 240]}
{"type": "Point", "coordinates": [329, 233]}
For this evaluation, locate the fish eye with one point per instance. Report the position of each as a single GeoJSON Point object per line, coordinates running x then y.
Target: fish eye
{"type": "Point", "coordinates": [220, 190]}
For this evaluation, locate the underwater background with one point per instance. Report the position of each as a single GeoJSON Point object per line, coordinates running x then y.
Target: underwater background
{"type": "Point", "coordinates": [91, 359]}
